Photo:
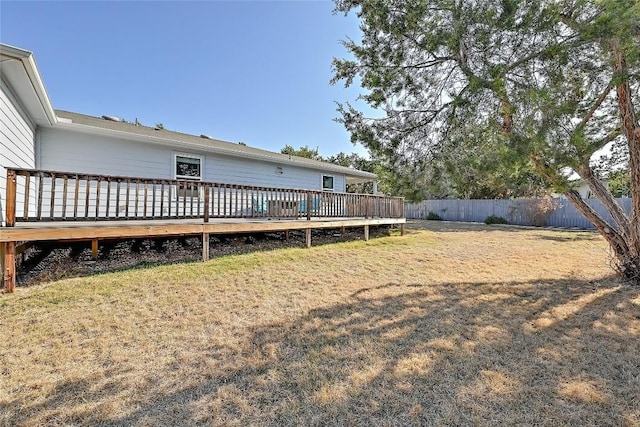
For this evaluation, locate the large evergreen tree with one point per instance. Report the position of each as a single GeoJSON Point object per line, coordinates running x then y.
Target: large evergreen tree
{"type": "Point", "coordinates": [553, 80]}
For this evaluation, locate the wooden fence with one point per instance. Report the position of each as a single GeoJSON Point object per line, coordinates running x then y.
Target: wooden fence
{"type": "Point", "coordinates": [540, 212]}
{"type": "Point", "coordinates": [37, 195]}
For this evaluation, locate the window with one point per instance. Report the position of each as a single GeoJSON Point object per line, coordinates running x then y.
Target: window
{"type": "Point", "coordinates": [327, 183]}
{"type": "Point", "coordinates": [188, 167]}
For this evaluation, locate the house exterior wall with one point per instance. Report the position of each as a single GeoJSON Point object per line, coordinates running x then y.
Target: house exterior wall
{"type": "Point", "coordinates": [67, 150]}
{"type": "Point", "coordinates": [17, 143]}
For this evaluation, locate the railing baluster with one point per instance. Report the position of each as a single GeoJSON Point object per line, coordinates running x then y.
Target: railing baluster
{"type": "Point", "coordinates": [65, 185]}
{"type": "Point", "coordinates": [25, 207]}
{"type": "Point", "coordinates": [98, 185]}
{"type": "Point", "coordinates": [118, 198]}
{"type": "Point", "coordinates": [153, 198]}
{"type": "Point", "coordinates": [169, 200]}
{"type": "Point", "coordinates": [40, 189]}
{"type": "Point", "coordinates": [108, 204]}
{"type": "Point", "coordinates": [144, 206]}
{"type": "Point", "coordinates": [161, 199]}
{"type": "Point", "coordinates": [137, 197]}
{"type": "Point", "coordinates": [52, 200]}
{"type": "Point", "coordinates": [127, 194]}
{"type": "Point", "coordinates": [86, 202]}
{"type": "Point", "coordinates": [76, 194]}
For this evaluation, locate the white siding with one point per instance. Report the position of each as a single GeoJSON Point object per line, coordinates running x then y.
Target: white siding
{"type": "Point", "coordinates": [69, 151]}
{"type": "Point", "coordinates": [17, 144]}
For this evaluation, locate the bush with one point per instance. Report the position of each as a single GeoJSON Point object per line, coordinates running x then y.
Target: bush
{"type": "Point", "coordinates": [492, 219]}
{"type": "Point", "coordinates": [433, 216]}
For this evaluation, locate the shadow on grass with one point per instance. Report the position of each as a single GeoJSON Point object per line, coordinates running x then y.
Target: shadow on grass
{"type": "Point", "coordinates": [545, 352]}
{"type": "Point", "coordinates": [415, 226]}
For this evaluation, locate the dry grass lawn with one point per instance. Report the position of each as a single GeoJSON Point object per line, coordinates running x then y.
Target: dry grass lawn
{"type": "Point", "coordinates": [451, 324]}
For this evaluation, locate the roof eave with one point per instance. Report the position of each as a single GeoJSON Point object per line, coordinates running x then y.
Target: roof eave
{"type": "Point", "coordinates": [29, 84]}
{"type": "Point", "coordinates": [182, 145]}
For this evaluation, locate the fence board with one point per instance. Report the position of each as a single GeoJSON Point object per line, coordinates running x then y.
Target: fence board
{"type": "Point", "coordinates": [515, 211]}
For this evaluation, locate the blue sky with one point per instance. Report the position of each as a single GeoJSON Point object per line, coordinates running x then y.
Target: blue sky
{"type": "Point", "coordinates": [250, 71]}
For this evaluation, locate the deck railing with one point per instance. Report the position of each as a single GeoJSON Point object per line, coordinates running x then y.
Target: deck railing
{"type": "Point", "coordinates": [38, 195]}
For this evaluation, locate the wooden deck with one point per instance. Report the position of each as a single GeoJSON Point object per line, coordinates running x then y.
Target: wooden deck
{"type": "Point", "coordinates": [59, 206]}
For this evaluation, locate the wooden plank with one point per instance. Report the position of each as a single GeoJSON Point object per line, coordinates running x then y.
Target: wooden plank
{"type": "Point", "coordinates": [75, 197]}
{"type": "Point", "coordinates": [117, 211]}
{"type": "Point", "coordinates": [10, 266]}
{"type": "Point", "coordinates": [10, 216]}
{"type": "Point", "coordinates": [137, 198]}
{"type": "Point", "coordinates": [126, 197]}
{"type": "Point", "coordinates": [153, 198]}
{"type": "Point", "coordinates": [206, 203]}
{"type": "Point", "coordinates": [94, 249]}
{"type": "Point", "coordinates": [27, 184]}
{"type": "Point", "coordinates": [52, 202]}
{"type": "Point", "coordinates": [147, 228]}
{"type": "Point", "coordinates": [146, 194]}
{"type": "Point", "coordinates": [108, 204]}
{"type": "Point", "coordinates": [40, 190]}
{"type": "Point", "coordinates": [86, 199]}
{"type": "Point", "coordinates": [98, 186]}
{"type": "Point", "coordinates": [161, 198]}
{"type": "Point", "coordinates": [205, 247]}
{"type": "Point", "coordinates": [65, 188]}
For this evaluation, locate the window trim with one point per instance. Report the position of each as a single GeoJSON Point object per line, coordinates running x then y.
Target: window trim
{"type": "Point", "coordinates": [333, 182]}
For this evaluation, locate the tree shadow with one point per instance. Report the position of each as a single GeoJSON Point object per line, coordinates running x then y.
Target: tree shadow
{"type": "Point", "coordinates": [560, 352]}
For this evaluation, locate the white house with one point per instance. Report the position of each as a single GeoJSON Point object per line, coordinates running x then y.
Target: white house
{"type": "Point", "coordinates": [35, 136]}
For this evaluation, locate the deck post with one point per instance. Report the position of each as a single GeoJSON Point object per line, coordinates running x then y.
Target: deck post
{"type": "Point", "coordinates": [402, 229]}
{"type": "Point", "coordinates": [205, 247]}
{"type": "Point", "coordinates": [9, 271]}
{"type": "Point", "coordinates": [286, 235]}
{"type": "Point", "coordinates": [10, 217]}
{"type": "Point", "coordinates": [94, 249]}
{"type": "Point", "coordinates": [3, 251]}
{"type": "Point", "coordinates": [309, 205]}
{"type": "Point", "coordinates": [366, 233]}
{"type": "Point", "coordinates": [308, 236]}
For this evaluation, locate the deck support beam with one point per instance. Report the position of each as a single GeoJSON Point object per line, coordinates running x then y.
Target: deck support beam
{"type": "Point", "coordinates": [366, 233]}
{"type": "Point", "coordinates": [205, 247]}
{"type": "Point", "coordinates": [9, 269]}
{"type": "Point", "coordinates": [402, 229]}
{"type": "Point", "coordinates": [94, 249]}
{"type": "Point", "coordinates": [308, 237]}
{"type": "Point", "coordinates": [286, 235]}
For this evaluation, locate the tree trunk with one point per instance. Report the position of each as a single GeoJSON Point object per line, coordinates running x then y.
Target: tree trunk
{"type": "Point", "coordinates": [631, 130]}
{"type": "Point", "coordinates": [625, 237]}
